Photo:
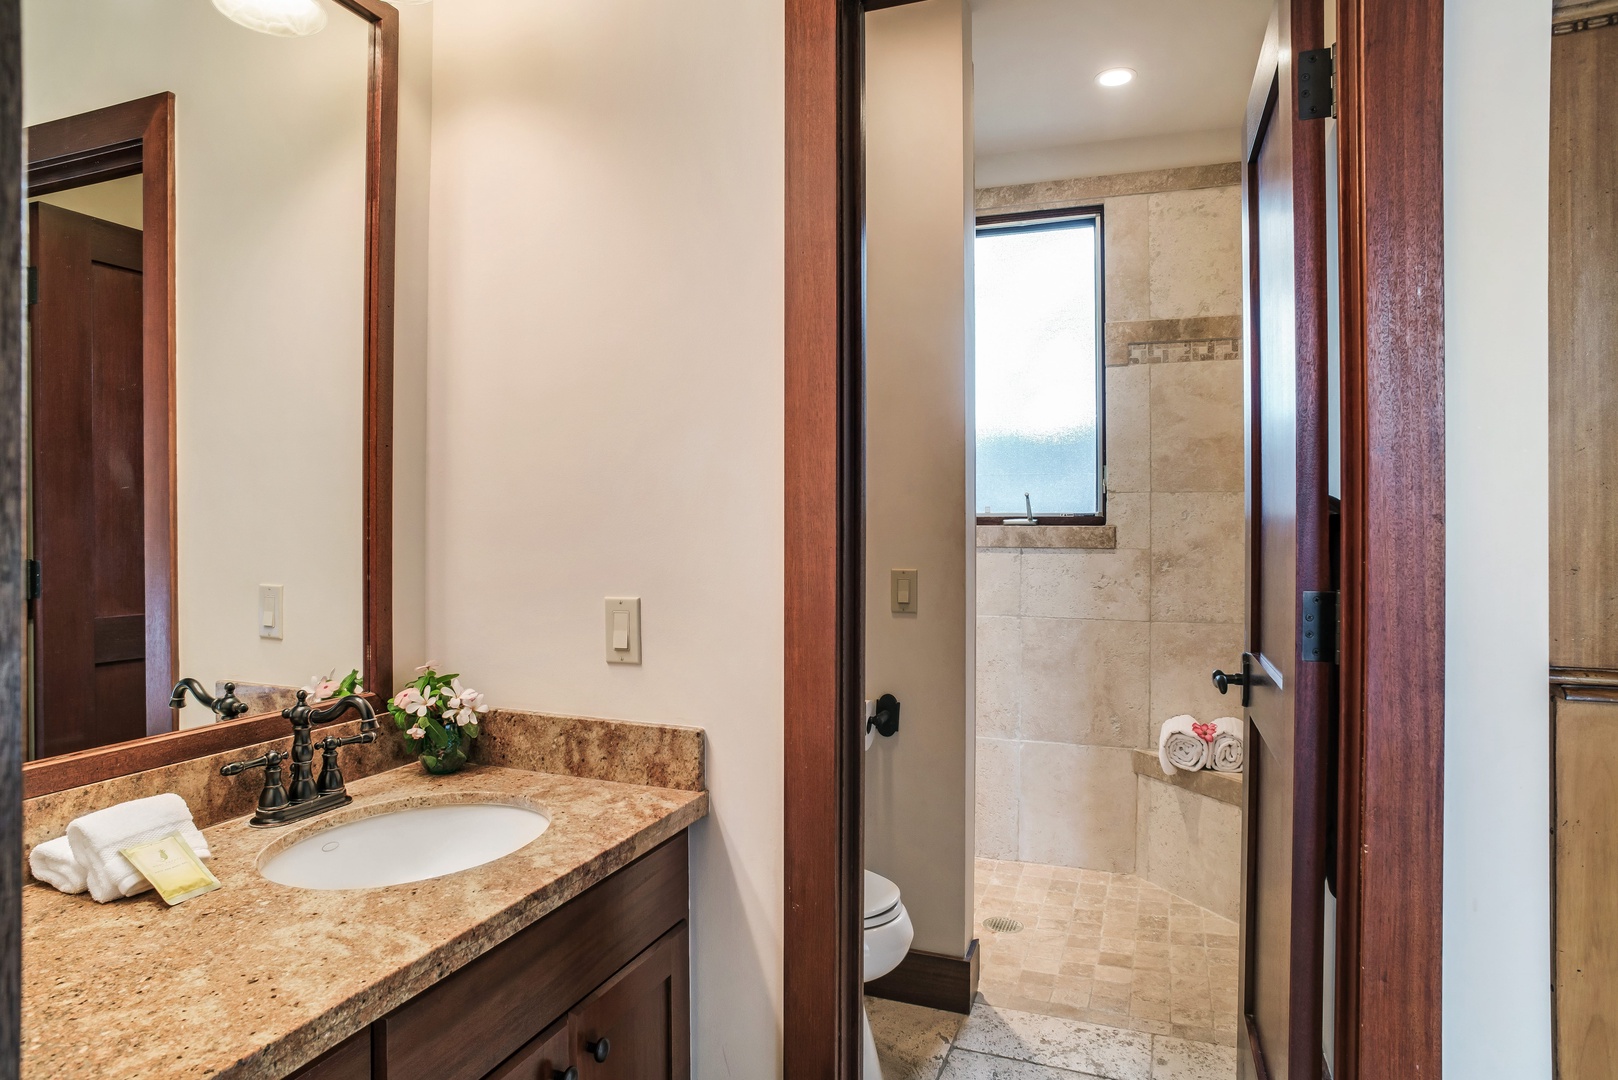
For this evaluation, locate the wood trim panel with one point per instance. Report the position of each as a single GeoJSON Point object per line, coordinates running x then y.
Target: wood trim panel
{"type": "Point", "coordinates": [949, 983]}
{"type": "Point", "coordinates": [824, 476]}
{"type": "Point", "coordinates": [1391, 794]}
{"type": "Point", "coordinates": [50, 146]}
{"type": "Point", "coordinates": [11, 541]}
{"type": "Point", "coordinates": [381, 227]}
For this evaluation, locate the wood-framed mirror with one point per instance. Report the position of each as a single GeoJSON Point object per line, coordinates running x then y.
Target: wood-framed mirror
{"type": "Point", "coordinates": [209, 364]}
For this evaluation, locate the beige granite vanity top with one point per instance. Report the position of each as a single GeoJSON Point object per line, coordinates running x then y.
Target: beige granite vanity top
{"type": "Point", "coordinates": [257, 979]}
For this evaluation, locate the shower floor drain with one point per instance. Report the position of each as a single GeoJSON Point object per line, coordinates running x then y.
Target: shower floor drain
{"type": "Point", "coordinates": [1002, 924]}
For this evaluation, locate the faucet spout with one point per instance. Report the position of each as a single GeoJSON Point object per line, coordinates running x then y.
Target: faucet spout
{"type": "Point", "coordinates": [227, 706]}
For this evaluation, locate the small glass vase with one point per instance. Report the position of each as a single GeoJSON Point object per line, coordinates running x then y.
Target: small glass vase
{"type": "Point", "coordinates": [450, 758]}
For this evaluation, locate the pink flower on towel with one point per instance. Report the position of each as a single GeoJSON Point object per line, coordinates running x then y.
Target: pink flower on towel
{"type": "Point", "coordinates": [1205, 732]}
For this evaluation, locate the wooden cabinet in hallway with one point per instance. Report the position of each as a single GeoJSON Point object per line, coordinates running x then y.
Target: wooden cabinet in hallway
{"type": "Point", "coordinates": [1584, 547]}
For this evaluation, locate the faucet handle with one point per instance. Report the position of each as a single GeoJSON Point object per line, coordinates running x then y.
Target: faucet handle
{"type": "Point", "coordinates": [331, 773]}
{"type": "Point", "coordinates": [229, 707]}
{"type": "Point", "coordinates": [274, 795]}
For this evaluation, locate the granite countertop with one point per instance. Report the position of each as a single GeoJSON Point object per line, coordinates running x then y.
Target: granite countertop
{"type": "Point", "coordinates": [255, 979]}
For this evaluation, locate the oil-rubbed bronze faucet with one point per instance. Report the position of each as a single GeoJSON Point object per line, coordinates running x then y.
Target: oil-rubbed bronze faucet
{"type": "Point", "coordinates": [228, 707]}
{"type": "Point", "coordinates": [305, 796]}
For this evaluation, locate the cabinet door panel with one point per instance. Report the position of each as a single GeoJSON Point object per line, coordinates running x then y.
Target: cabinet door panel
{"type": "Point", "coordinates": [545, 1058]}
{"type": "Point", "coordinates": [643, 1014]}
{"type": "Point", "coordinates": [508, 995]}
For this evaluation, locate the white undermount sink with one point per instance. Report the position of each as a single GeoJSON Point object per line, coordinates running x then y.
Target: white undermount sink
{"type": "Point", "coordinates": [406, 845]}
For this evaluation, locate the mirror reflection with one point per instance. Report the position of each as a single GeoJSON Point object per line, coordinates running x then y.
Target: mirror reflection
{"type": "Point", "coordinates": [196, 246]}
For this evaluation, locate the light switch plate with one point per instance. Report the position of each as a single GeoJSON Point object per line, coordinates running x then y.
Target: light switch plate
{"type": "Point", "coordinates": [904, 591]}
{"type": "Point", "coordinates": [620, 609]}
{"type": "Point", "coordinates": [271, 606]}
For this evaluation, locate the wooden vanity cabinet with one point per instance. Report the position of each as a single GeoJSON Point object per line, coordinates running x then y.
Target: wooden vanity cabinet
{"type": "Point", "coordinates": [612, 963]}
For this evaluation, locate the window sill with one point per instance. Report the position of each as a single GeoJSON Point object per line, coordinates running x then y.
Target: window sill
{"type": "Point", "coordinates": [1091, 537]}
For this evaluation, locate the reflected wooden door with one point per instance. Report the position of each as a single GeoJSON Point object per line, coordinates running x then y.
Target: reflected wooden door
{"type": "Point", "coordinates": [1289, 691]}
{"type": "Point", "coordinates": [87, 481]}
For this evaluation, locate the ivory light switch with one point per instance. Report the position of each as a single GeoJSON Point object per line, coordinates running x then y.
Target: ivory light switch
{"type": "Point", "coordinates": [623, 629]}
{"type": "Point", "coordinates": [906, 586]}
{"type": "Point", "coordinates": [271, 600]}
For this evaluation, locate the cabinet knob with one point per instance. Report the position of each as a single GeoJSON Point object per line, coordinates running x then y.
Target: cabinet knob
{"type": "Point", "coordinates": [599, 1049]}
{"type": "Point", "coordinates": [571, 1074]}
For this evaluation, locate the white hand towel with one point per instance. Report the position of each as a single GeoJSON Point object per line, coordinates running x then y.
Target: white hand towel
{"type": "Point", "coordinates": [97, 840]}
{"type": "Point", "coordinates": [1228, 752]}
{"type": "Point", "coordinates": [1178, 747]}
{"type": "Point", "coordinates": [53, 863]}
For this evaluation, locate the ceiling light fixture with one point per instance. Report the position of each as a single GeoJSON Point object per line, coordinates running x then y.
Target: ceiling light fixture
{"type": "Point", "coordinates": [1111, 77]}
{"type": "Point", "coordinates": [284, 18]}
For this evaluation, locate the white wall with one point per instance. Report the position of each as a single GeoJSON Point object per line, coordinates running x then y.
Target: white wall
{"type": "Point", "coordinates": [1497, 771]}
{"type": "Point", "coordinates": [410, 411]}
{"type": "Point", "coordinates": [269, 298]}
{"type": "Point", "coordinates": [918, 184]}
{"type": "Point", "coordinates": [605, 397]}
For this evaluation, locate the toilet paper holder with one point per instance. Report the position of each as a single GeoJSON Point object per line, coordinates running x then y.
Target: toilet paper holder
{"type": "Point", "coordinates": [884, 717]}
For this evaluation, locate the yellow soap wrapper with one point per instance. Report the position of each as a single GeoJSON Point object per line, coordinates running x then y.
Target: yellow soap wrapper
{"type": "Point", "coordinates": [172, 867]}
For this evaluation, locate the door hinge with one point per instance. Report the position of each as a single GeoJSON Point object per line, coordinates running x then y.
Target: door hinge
{"type": "Point", "coordinates": [31, 283]}
{"type": "Point", "coordinates": [1317, 627]}
{"type": "Point", "coordinates": [1317, 84]}
{"type": "Point", "coordinates": [32, 579]}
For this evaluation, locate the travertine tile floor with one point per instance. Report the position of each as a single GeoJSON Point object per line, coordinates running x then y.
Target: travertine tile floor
{"type": "Point", "coordinates": [996, 1043]}
{"type": "Point", "coordinates": [1109, 949]}
{"type": "Point", "coordinates": [1112, 978]}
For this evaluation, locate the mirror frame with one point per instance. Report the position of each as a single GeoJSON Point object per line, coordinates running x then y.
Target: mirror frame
{"type": "Point", "coordinates": [381, 181]}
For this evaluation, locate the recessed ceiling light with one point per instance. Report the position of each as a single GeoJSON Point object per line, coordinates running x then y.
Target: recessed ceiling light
{"type": "Point", "coordinates": [1116, 76]}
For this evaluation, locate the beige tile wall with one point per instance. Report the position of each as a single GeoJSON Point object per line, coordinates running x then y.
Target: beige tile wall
{"type": "Point", "coordinates": [1082, 653]}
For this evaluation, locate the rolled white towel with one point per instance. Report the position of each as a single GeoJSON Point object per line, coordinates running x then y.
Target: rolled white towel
{"type": "Point", "coordinates": [1228, 751]}
{"type": "Point", "coordinates": [1178, 747]}
{"type": "Point", "coordinates": [53, 863]}
{"type": "Point", "coordinates": [97, 841]}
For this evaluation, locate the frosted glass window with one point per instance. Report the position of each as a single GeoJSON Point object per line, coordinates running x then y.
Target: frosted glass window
{"type": "Point", "coordinates": [1038, 368]}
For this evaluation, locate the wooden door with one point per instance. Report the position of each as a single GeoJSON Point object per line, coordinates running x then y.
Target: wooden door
{"type": "Point", "coordinates": [637, 1025]}
{"type": "Point", "coordinates": [1287, 696]}
{"type": "Point", "coordinates": [1583, 343]}
{"type": "Point", "coordinates": [1584, 552]}
{"type": "Point", "coordinates": [87, 484]}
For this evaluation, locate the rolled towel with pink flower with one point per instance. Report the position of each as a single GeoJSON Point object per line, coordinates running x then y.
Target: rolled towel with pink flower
{"type": "Point", "coordinates": [1227, 752]}
{"type": "Point", "coordinates": [1181, 746]}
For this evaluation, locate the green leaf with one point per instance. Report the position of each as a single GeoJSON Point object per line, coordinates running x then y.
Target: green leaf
{"type": "Point", "coordinates": [435, 731]}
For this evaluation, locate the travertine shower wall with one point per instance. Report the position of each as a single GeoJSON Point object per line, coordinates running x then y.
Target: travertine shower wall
{"type": "Point", "coordinates": [1083, 649]}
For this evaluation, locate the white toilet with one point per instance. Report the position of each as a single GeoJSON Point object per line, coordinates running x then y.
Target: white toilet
{"type": "Point", "coordinates": [888, 933]}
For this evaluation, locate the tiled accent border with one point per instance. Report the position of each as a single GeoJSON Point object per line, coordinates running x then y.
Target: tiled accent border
{"type": "Point", "coordinates": [1122, 337]}
{"type": "Point", "coordinates": [1051, 194]}
{"type": "Point", "coordinates": [1088, 537]}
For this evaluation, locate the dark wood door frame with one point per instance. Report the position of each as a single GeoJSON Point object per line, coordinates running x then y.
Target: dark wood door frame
{"type": "Point", "coordinates": [1390, 844]}
{"type": "Point", "coordinates": [823, 780]}
{"type": "Point", "coordinates": [11, 540]}
{"type": "Point", "coordinates": [1390, 63]}
{"type": "Point", "coordinates": [98, 151]}
{"type": "Point", "coordinates": [137, 137]}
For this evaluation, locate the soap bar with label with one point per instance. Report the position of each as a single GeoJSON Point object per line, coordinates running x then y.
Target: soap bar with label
{"type": "Point", "coordinates": [172, 867]}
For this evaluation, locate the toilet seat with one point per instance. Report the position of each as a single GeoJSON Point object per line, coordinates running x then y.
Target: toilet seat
{"type": "Point", "coordinates": [881, 901]}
